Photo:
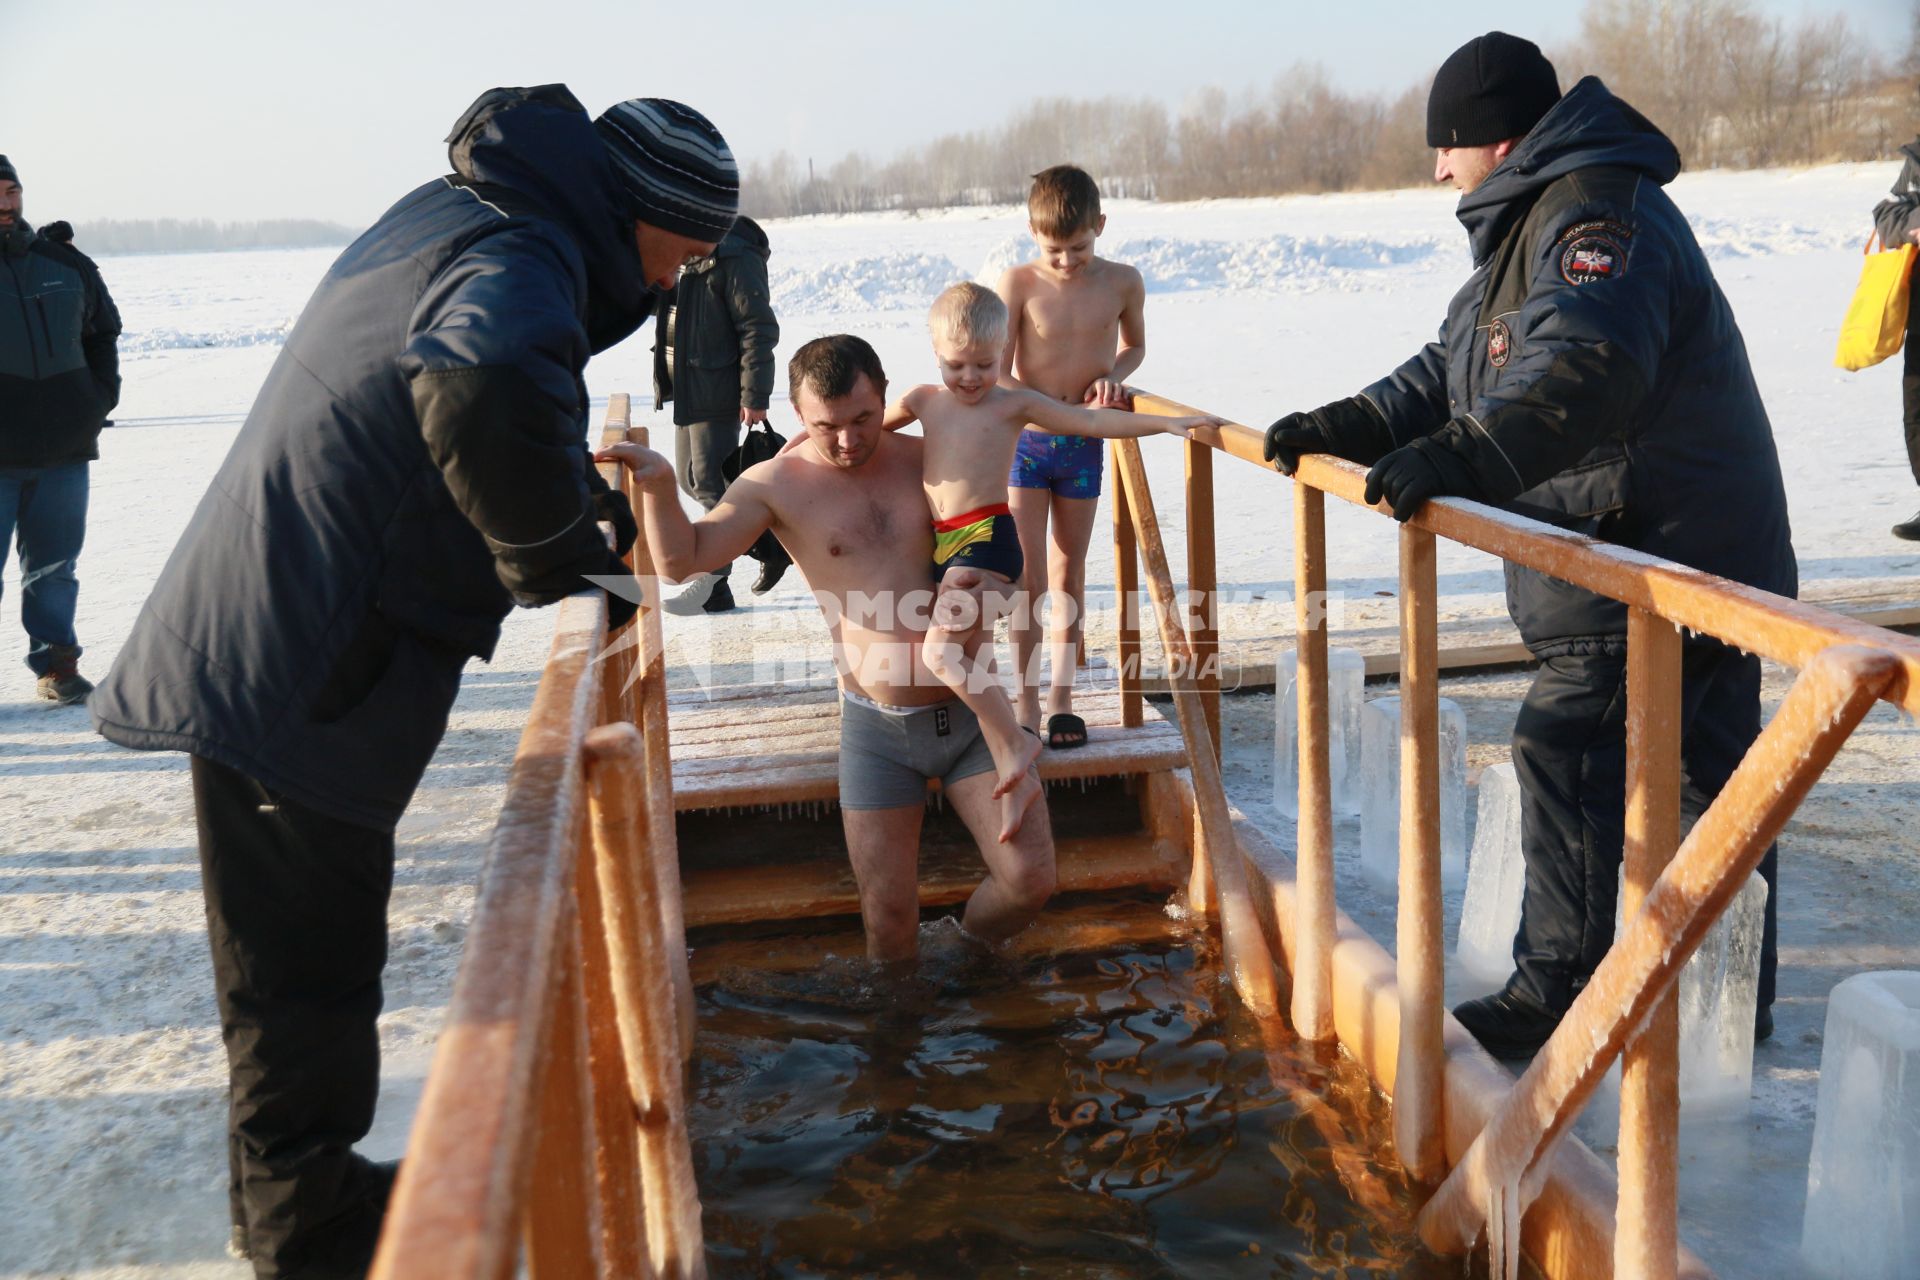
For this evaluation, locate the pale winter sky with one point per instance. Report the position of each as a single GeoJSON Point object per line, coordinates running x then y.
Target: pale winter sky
{"type": "Point", "coordinates": [238, 110]}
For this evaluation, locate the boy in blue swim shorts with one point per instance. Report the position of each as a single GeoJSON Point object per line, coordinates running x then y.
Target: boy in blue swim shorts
{"type": "Point", "coordinates": [1078, 331]}
{"type": "Point", "coordinates": [972, 424]}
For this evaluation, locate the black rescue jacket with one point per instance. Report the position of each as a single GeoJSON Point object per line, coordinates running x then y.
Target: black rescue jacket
{"type": "Point", "coordinates": [414, 465]}
{"type": "Point", "coordinates": [1591, 374]}
{"type": "Point", "coordinates": [59, 358]}
{"type": "Point", "coordinates": [724, 333]}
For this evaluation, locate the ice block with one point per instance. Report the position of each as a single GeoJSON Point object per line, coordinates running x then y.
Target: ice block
{"type": "Point", "coordinates": [1380, 793]}
{"type": "Point", "coordinates": [1496, 881]}
{"type": "Point", "coordinates": [1719, 995]}
{"type": "Point", "coordinates": [1863, 1179]}
{"type": "Point", "coordinates": [1346, 691]}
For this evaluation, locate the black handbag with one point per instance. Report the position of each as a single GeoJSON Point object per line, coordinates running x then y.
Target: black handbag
{"type": "Point", "coordinates": [762, 443]}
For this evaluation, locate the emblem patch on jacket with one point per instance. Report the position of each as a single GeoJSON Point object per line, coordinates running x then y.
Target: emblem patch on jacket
{"type": "Point", "coordinates": [1499, 344]}
{"type": "Point", "coordinates": [1594, 251]}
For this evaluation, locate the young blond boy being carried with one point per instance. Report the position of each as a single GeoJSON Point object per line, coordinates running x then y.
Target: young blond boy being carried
{"type": "Point", "coordinates": [1078, 331]}
{"type": "Point", "coordinates": [972, 424]}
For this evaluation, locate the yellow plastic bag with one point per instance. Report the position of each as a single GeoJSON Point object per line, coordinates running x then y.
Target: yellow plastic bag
{"type": "Point", "coordinates": [1876, 322]}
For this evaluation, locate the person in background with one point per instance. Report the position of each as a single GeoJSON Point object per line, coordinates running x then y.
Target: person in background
{"type": "Point", "coordinates": [414, 466]}
{"type": "Point", "coordinates": [1897, 219]}
{"type": "Point", "coordinates": [1590, 374]}
{"type": "Point", "coordinates": [713, 358]}
{"type": "Point", "coordinates": [59, 379]}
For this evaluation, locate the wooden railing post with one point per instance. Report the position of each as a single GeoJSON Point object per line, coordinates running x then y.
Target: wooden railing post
{"type": "Point", "coordinates": [1248, 961]}
{"type": "Point", "coordinates": [1647, 1241]}
{"type": "Point", "coordinates": [563, 1208]}
{"type": "Point", "coordinates": [1126, 585]}
{"type": "Point", "coordinates": [1313, 975]}
{"type": "Point", "coordinates": [650, 713]}
{"type": "Point", "coordinates": [640, 952]}
{"type": "Point", "coordinates": [616, 1142]}
{"type": "Point", "coordinates": [1203, 585]}
{"type": "Point", "coordinates": [1419, 1131]}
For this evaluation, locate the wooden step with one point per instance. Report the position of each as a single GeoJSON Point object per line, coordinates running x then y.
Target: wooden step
{"type": "Point", "coordinates": [785, 748]}
{"type": "Point", "coordinates": [737, 895]}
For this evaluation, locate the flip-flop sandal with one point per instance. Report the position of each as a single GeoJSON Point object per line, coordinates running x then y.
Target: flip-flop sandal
{"type": "Point", "coordinates": [1066, 731]}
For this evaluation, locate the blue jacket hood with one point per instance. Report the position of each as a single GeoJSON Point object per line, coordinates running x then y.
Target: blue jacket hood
{"type": "Point", "coordinates": [1588, 128]}
{"type": "Point", "coordinates": [541, 143]}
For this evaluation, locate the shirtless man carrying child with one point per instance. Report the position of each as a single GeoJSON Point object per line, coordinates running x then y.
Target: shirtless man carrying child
{"type": "Point", "coordinates": [847, 503]}
{"type": "Point", "coordinates": [972, 424]}
{"type": "Point", "coordinates": [1079, 330]}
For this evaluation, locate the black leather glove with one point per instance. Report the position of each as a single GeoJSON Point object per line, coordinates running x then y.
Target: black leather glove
{"type": "Point", "coordinates": [614, 509]}
{"type": "Point", "coordinates": [621, 607]}
{"type": "Point", "coordinates": [1352, 429]}
{"type": "Point", "coordinates": [1408, 476]}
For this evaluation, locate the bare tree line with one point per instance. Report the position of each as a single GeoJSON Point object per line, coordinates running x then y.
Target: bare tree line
{"type": "Point", "coordinates": [199, 235]}
{"type": "Point", "coordinates": [1732, 88]}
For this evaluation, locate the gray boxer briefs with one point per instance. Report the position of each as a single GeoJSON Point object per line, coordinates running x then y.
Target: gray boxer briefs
{"type": "Point", "coordinates": [887, 754]}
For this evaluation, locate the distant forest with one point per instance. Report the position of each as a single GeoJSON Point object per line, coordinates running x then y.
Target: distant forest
{"type": "Point", "coordinates": [200, 235]}
{"type": "Point", "coordinates": [1731, 87]}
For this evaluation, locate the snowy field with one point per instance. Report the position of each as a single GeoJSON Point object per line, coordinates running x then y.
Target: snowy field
{"type": "Point", "coordinates": [111, 1071]}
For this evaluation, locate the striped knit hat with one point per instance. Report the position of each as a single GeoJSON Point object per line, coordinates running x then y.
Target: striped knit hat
{"type": "Point", "coordinates": [674, 165]}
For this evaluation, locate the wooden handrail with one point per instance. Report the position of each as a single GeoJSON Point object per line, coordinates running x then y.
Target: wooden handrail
{"type": "Point", "coordinates": [1845, 664]}
{"type": "Point", "coordinates": [1759, 622]}
{"type": "Point", "coordinates": [1831, 696]}
{"type": "Point", "coordinates": [457, 1207]}
{"type": "Point", "coordinates": [1248, 962]}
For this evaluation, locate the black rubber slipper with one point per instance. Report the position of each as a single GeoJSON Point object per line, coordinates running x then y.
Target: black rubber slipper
{"type": "Point", "coordinates": [1066, 731]}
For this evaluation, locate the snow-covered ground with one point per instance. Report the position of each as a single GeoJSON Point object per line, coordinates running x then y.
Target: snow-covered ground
{"type": "Point", "coordinates": [110, 1064]}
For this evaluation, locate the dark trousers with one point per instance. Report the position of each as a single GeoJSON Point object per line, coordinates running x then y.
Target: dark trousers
{"type": "Point", "coordinates": [1570, 754]}
{"type": "Point", "coordinates": [297, 916]}
{"type": "Point", "coordinates": [1910, 390]}
{"type": "Point", "coordinates": [699, 449]}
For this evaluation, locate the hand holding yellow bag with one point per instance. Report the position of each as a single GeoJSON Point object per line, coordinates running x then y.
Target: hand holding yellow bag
{"type": "Point", "coordinates": [1876, 322]}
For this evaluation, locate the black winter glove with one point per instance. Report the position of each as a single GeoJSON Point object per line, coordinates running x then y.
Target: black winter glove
{"type": "Point", "coordinates": [621, 607]}
{"type": "Point", "coordinates": [58, 232]}
{"type": "Point", "coordinates": [614, 509]}
{"type": "Point", "coordinates": [1424, 469]}
{"type": "Point", "coordinates": [1352, 429]}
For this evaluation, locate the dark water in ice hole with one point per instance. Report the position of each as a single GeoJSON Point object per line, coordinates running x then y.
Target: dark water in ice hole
{"type": "Point", "coordinates": [1094, 1113]}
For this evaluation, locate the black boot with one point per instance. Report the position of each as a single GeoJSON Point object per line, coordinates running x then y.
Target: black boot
{"type": "Point", "coordinates": [721, 601]}
{"type": "Point", "coordinates": [1908, 529]}
{"type": "Point", "coordinates": [1507, 1024]}
{"type": "Point", "coordinates": [771, 571]}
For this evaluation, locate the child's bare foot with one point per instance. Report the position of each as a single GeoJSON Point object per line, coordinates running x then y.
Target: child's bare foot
{"type": "Point", "coordinates": [1024, 752]}
{"type": "Point", "coordinates": [1014, 804]}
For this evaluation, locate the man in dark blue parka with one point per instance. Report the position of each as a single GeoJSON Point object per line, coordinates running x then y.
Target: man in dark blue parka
{"type": "Point", "coordinates": [414, 466]}
{"type": "Point", "coordinates": [1589, 374]}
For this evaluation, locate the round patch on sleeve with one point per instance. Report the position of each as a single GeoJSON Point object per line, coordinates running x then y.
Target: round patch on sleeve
{"type": "Point", "coordinates": [1499, 344]}
{"type": "Point", "coordinates": [1591, 258]}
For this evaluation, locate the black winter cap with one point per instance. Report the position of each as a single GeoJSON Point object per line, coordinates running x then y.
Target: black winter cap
{"type": "Point", "coordinates": [7, 172]}
{"type": "Point", "coordinates": [1491, 88]}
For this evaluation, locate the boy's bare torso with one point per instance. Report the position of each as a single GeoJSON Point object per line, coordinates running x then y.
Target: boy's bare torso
{"type": "Point", "coordinates": [1067, 331]}
{"type": "Point", "coordinates": [860, 536]}
{"type": "Point", "coordinates": [969, 448]}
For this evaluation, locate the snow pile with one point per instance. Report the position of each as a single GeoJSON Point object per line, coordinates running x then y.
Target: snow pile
{"type": "Point", "coordinates": [1724, 238]}
{"type": "Point", "coordinates": [1278, 262]}
{"type": "Point", "coordinates": [902, 280]}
